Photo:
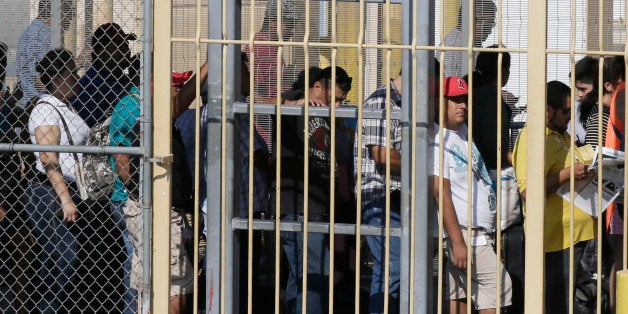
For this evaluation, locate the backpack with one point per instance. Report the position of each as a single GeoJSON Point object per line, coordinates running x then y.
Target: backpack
{"type": "Point", "coordinates": [98, 175]}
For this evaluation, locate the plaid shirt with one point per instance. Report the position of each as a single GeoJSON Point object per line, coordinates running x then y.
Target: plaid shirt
{"type": "Point", "coordinates": [373, 133]}
{"type": "Point", "coordinates": [261, 191]}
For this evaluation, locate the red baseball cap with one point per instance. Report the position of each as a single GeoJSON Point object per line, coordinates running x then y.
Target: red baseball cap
{"type": "Point", "coordinates": [178, 78]}
{"type": "Point", "coordinates": [455, 86]}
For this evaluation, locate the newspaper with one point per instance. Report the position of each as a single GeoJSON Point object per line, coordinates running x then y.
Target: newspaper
{"type": "Point", "coordinates": [586, 190]}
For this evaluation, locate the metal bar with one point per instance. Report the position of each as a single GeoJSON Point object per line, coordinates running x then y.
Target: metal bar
{"type": "Point", "coordinates": [161, 179]}
{"type": "Point", "coordinates": [231, 59]}
{"type": "Point", "coordinates": [407, 110]}
{"type": "Point", "coordinates": [422, 293]}
{"type": "Point", "coordinates": [534, 253]}
{"type": "Point", "coordinates": [314, 227]}
{"type": "Point", "coordinates": [214, 262]}
{"type": "Point", "coordinates": [97, 150]}
{"type": "Point", "coordinates": [146, 170]}
{"type": "Point", "coordinates": [291, 110]}
{"type": "Point", "coordinates": [350, 45]}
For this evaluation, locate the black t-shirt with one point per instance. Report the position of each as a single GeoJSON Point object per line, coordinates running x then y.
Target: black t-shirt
{"type": "Point", "coordinates": [485, 125]}
{"type": "Point", "coordinates": [292, 165]}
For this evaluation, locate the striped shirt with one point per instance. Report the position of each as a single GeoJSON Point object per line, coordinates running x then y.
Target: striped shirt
{"type": "Point", "coordinates": [592, 125]}
{"type": "Point", "coordinates": [374, 133]}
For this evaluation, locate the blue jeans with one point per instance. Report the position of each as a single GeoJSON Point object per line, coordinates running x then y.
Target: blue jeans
{"type": "Point", "coordinates": [130, 294]}
{"type": "Point", "coordinates": [317, 272]}
{"type": "Point", "coordinates": [59, 245]}
{"type": "Point", "coordinates": [374, 214]}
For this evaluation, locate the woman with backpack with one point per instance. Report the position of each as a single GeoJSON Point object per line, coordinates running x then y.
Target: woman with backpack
{"type": "Point", "coordinates": [52, 200]}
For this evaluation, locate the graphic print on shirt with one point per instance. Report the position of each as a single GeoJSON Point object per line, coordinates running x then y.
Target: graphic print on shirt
{"type": "Point", "coordinates": [479, 170]}
{"type": "Point", "coordinates": [319, 136]}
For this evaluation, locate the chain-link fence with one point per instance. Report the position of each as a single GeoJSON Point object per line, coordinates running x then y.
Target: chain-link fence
{"type": "Point", "coordinates": [72, 134]}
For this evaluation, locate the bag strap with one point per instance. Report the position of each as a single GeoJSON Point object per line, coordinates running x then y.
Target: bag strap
{"type": "Point", "coordinates": [67, 132]}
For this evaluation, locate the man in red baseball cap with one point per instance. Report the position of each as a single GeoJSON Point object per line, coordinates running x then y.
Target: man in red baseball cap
{"type": "Point", "coordinates": [455, 176]}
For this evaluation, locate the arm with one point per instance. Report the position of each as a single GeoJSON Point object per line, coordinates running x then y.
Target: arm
{"type": "Point", "coordinates": [450, 222]}
{"type": "Point", "coordinates": [182, 99]}
{"type": "Point", "coordinates": [379, 155]}
{"type": "Point", "coordinates": [554, 181]}
{"type": "Point", "coordinates": [50, 135]}
{"type": "Point", "coordinates": [123, 167]}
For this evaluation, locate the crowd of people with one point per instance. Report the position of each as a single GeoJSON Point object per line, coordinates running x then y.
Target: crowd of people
{"type": "Point", "coordinates": [73, 241]}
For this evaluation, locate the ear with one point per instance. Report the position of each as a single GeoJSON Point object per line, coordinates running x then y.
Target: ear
{"type": "Point", "coordinates": [608, 87]}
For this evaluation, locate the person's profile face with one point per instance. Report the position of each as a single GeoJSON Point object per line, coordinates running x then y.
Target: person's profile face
{"type": "Point", "coordinates": [558, 118]}
{"type": "Point", "coordinates": [583, 89]}
{"type": "Point", "coordinates": [456, 113]}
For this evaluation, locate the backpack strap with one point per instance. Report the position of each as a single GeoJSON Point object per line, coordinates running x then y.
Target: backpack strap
{"type": "Point", "coordinates": [67, 132]}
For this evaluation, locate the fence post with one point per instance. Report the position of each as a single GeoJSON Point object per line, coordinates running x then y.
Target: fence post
{"type": "Point", "coordinates": [535, 202]}
{"type": "Point", "coordinates": [162, 147]}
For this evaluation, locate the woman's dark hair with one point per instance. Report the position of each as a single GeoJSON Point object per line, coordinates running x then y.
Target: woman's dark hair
{"type": "Point", "coordinates": [557, 93]}
{"type": "Point", "coordinates": [486, 70]}
{"type": "Point", "coordinates": [53, 63]}
{"type": "Point", "coordinates": [589, 101]}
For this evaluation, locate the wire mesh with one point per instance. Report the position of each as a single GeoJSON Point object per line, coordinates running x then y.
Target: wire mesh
{"type": "Point", "coordinates": [65, 254]}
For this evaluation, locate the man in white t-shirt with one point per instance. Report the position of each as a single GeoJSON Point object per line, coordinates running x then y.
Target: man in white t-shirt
{"type": "Point", "coordinates": [455, 209]}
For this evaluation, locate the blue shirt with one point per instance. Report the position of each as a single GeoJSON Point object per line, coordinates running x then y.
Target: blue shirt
{"type": "Point", "coordinates": [31, 47]}
{"type": "Point", "coordinates": [185, 124]}
{"type": "Point", "coordinates": [123, 132]}
{"type": "Point", "coordinates": [98, 91]}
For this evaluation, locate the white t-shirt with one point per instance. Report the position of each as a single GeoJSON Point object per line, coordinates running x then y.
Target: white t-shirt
{"type": "Point", "coordinates": [455, 169]}
{"type": "Point", "coordinates": [45, 115]}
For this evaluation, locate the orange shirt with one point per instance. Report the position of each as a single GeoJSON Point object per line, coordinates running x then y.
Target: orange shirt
{"type": "Point", "coordinates": [615, 132]}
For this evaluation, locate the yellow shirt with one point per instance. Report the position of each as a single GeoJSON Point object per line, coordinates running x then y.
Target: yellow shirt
{"type": "Point", "coordinates": [557, 210]}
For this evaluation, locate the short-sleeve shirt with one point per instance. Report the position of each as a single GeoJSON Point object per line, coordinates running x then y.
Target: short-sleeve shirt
{"type": "Point", "coordinates": [31, 47]}
{"type": "Point", "coordinates": [455, 169]}
{"type": "Point", "coordinates": [123, 131]}
{"type": "Point", "coordinates": [374, 133]}
{"type": "Point", "coordinates": [45, 114]}
{"type": "Point", "coordinates": [98, 92]}
{"type": "Point", "coordinates": [557, 210]}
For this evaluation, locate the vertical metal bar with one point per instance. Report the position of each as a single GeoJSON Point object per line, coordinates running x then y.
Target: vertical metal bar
{"type": "Point", "coordinates": [161, 188]}
{"type": "Point", "coordinates": [388, 54]}
{"type": "Point", "coordinates": [600, 123]}
{"type": "Point", "coordinates": [214, 262]}
{"type": "Point", "coordinates": [195, 261]}
{"type": "Point", "coordinates": [439, 105]}
{"type": "Point", "coordinates": [470, 59]}
{"type": "Point", "coordinates": [422, 14]}
{"type": "Point", "coordinates": [230, 21]}
{"type": "Point", "coordinates": [358, 128]}
{"type": "Point", "coordinates": [572, 161]}
{"type": "Point", "coordinates": [146, 129]}
{"type": "Point", "coordinates": [535, 200]}
{"type": "Point", "coordinates": [407, 109]}
{"type": "Point", "coordinates": [332, 168]}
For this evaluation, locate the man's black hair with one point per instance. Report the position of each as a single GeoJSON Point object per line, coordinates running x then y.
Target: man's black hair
{"type": "Point", "coordinates": [299, 84]}
{"type": "Point", "coordinates": [557, 93]}
{"type": "Point", "coordinates": [618, 68]}
{"type": "Point", "coordinates": [486, 66]}
{"type": "Point", "coordinates": [586, 70]}
{"type": "Point", "coordinates": [343, 80]}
